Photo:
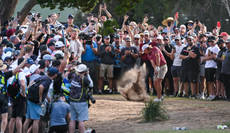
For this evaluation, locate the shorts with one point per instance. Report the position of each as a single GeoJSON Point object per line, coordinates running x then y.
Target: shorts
{"type": "Point", "coordinates": [79, 111]}
{"type": "Point", "coordinates": [58, 129]}
{"type": "Point", "coordinates": [161, 74]}
{"type": "Point", "coordinates": [33, 111]}
{"type": "Point", "coordinates": [19, 107]}
{"type": "Point", "coordinates": [3, 109]}
{"type": "Point", "coordinates": [175, 70]}
{"type": "Point", "coordinates": [116, 73]}
{"type": "Point", "coordinates": [202, 70]}
{"type": "Point", "coordinates": [44, 113]}
{"type": "Point", "coordinates": [109, 69]}
{"type": "Point", "coordinates": [210, 74]}
{"type": "Point", "coordinates": [188, 76]}
{"type": "Point", "coordinates": [220, 76]}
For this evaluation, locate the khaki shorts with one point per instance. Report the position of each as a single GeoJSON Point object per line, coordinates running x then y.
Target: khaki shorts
{"type": "Point", "coordinates": [161, 74]}
{"type": "Point", "coordinates": [109, 69]}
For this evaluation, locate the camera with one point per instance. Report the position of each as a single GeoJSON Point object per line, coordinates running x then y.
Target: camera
{"type": "Point", "coordinates": [169, 24]}
{"type": "Point", "coordinates": [127, 22]}
{"type": "Point", "coordinates": [32, 19]}
{"type": "Point", "coordinates": [18, 14]}
{"type": "Point", "coordinates": [93, 22]}
{"type": "Point", "coordinates": [86, 37]}
{"type": "Point", "coordinates": [211, 52]}
{"type": "Point", "coordinates": [38, 15]}
{"type": "Point", "coordinates": [90, 97]}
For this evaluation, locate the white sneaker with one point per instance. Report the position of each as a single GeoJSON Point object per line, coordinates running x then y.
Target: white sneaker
{"type": "Point", "coordinates": [162, 98]}
{"type": "Point", "coordinates": [202, 97]}
{"type": "Point", "coordinates": [164, 95]}
{"type": "Point", "coordinates": [157, 100]}
{"type": "Point", "coordinates": [209, 98]}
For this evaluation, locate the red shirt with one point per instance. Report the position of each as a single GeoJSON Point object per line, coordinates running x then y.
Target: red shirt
{"type": "Point", "coordinates": [144, 56]}
{"type": "Point", "coordinates": [152, 56]}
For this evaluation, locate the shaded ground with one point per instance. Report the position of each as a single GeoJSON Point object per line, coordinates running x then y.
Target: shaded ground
{"type": "Point", "coordinates": [113, 114]}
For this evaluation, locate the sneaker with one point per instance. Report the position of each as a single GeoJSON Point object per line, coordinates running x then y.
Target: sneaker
{"type": "Point", "coordinates": [202, 97]}
{"type": "Point", "coordinates": [180, 95]}
{"type": "Point", "coordinates": [216, 98]}
{"type": "Point", "coordinates": [175, 94]}
{"type": "Point", "coordinates": [100, 93]}
{"type": "Point", "coordinates": [162, 98]}
{"type": "Point", "coordinates": [209, 98]}
{"type": "Point", "coordinates": [192, 97]}
{"type": "Point", "coordinates": [157, 100]}
{"type": "Point", "coordinates": [164, 95]}
{"type": "Point", "coordinates": [186, 96]}
{"type": "Point", "coordinates": [110, 91]}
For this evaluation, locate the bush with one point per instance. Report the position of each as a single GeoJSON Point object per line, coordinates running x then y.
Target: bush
{"type": "Point", "coordinates": [153, 111]}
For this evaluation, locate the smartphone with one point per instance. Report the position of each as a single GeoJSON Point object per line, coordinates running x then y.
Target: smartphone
{"type": "Point", "coordinates": [211, 52]}
{"type": "Point", "coordinates": [59, 14]}
{"type": "Point", "coordinates": [197, 21]}
{"type": "Point", "coordinates": [169, 24]}
{"type": "Point", "coordinates": [146, 15]}
{"type": "Point", "coordinates": [176, 14]}
{"type": "Point", "coordinates": [218, 24]}
{"type": "Point", "coordinates": [49, 16]}
{"type": "Point", "coordinates": [46, 21]}
{"type": "Point", "coordinates": [38, 15]}
{"type": "Point", "coordinates": [18, 14]}
{"type": "Point", "coordinates": [32, 19]}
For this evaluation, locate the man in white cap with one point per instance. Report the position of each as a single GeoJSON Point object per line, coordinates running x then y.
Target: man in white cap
{"type": "Point", "coordinates": [136, 42]}
{"type": "Point", "coordinates": [34, 70]}
{"type": "Point", "coordinates": [78, 103]}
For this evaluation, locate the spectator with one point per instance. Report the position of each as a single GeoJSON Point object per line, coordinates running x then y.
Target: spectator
{"type": "Point", "coordinates": [51, 46]}
{"type": "Point", "coordinates": [158, 62]}
{"type": "Point", "coordinates": [224, 36]}
{"type": "Point", "coordinates": [79, 107]}
{"type": "Point", "coordinates": [190, 66]}
{"type": "Point", "coordinates": [75, 46]}
{"type": "Point", "coordinates": [70, 20]}
{"type": "Point", "coordinates": [60, 114]}
{"type": "Point", "coordinates": [106, 53]}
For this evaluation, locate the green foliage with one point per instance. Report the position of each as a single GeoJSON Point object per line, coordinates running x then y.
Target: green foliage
{"type": "Point", "coordinates": [154, 111]}
{"type": "Point", "coordinates": [108, 27]}
{"type": "Point", "coordinates": [78, 18]}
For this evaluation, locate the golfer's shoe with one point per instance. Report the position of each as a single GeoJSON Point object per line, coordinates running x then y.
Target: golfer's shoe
{"type": "Point", "coordinates": [162, 98]}
{"type": "Point", "coordinates": [157, 100]}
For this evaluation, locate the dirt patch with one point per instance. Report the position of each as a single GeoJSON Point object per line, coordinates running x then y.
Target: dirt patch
{"type": "Point", "coordinates": [114, 114]}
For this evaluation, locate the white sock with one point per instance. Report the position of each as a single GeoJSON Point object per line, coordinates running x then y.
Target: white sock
{"type": "Point", "coordinates": [202, 93]}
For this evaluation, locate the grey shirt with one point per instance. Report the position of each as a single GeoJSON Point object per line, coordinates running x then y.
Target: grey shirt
{"type": "Point", "coordinates": [58, 113]}
{"type": "Point", "coordinates": [34, 76]}
{"type": "Point", "coordinates": [226, 63]}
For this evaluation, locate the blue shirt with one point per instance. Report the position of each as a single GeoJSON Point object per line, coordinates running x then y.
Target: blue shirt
{"type": "Point", "coordinates": [117, 59]}
{"type": "Point", "coordinates": [58, 113]}
{"type": "Point", "coordinates": [89, 54]}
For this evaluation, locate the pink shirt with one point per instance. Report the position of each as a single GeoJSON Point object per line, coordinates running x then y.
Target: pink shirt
{"type": "Point", "coordinates": [152, 56]}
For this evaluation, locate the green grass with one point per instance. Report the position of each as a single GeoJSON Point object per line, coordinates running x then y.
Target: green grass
{"type": "Point", "coordinates": [189, 131]}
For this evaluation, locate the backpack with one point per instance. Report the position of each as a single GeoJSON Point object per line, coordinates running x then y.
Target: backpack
{"type": "Point", "coordinates": [14, 88]}
{"type": "Point", "coordinates": [33, 91]}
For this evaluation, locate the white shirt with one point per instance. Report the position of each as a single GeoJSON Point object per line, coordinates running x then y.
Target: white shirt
{"type": "Point", "coordinates": [77, 48]}
{"type": "Point", "coordinates": [177, 61]}
{"type": "Point", "coordinates": [212, 63]}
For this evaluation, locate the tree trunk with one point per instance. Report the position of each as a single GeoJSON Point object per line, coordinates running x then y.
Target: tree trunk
{"type": "Point", "coordinates": [26, 9]}
{"type": "Point", "coordinates": [7, 8]}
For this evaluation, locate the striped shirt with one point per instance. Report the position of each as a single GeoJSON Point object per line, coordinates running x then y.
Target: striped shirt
{"type": "Point", "coordinates": [226, 63]}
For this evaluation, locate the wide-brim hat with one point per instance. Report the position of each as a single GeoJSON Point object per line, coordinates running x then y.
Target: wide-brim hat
{"type": "Point", "coordinates": [165, 22]}
{"type": "Point", "coordinates": [2, 66]}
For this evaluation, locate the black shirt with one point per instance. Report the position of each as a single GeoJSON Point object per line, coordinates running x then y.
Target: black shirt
{"type": "Point", "coordinates": [220, 54]}
{"type": "Point", "coordinates": [190, 64]}
{"type": "Point", "coordinates": [106, 56]}
{"type": "Point", "coordinates": [129, 61]}
{"type": "Point", "coordinates": [168, 48]}
{"type": "Point", "coordinates": [46, 81]}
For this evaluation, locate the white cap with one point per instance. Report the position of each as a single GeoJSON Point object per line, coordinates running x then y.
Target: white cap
{"type": "Point", "coordinates": [24, 28]}
{"type": "Point", "coordinates": [146, 33]}
{"type": "Point", "coordinates": [59, 52]}
{"type": "Point", "coordinates": [26, 71]}
{"type": "Point", "coordinates": [183, 26]}
{"type": "Point", "coordinates": [59, 44]}
{"type": "Point", "coordinates": [7, 54]}
{"type": "Point", "coordinates": [160, 37]}
{"type": "Point", "coordinates": [137, 36]}
{"type": "Point", "coordinates": [57, 37]}
{"type": "Point", "coordinates": [145, 46]}
{"type": "Point", "coordinates": [81, 68]}
{"type": "Point", "coordinates": [33, 68]}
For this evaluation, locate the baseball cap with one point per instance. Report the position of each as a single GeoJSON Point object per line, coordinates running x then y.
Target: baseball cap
{"type": "Point", "coordinates": [177, 37]}
{"type": "Point", "coordinates": [42, 64]}
{"type": "Point", "coordinates": [211, 39]}
{"type": "Point", "coordinates": [57, 37]}
{"type": "Point", "coordinates": [6, 55]}
{"type": "Point", "coordinates": [81, 68]}
{"type": "Point", "coordinates": [166, 37]}
{"type": "Point", "coordinates": [10, 45]}
{"type": "Point", "coordinates": [176, 29]}
{"type": "Point", "coordinates": [228, 40]}
{"type": "Point", "coordinates": [146, 33]}
{"type": "Point", "coordinates": [51, 42]}
{"type": "Point", "coordinates": [128, 39]}
{"type": "Point", "coordinates": [70, 16]}
{"type": "Point", "coordinates": [116, 36]}
{"type": "Point", "coordinates": [53, 70]}
{"type": "Point", "coordinates": [163, 32]}
{"type": "Point", "coordinates": [17, 52]}
{"type": "Point", "coordinates": [183, 26]}
{"type": "Point", "coordinates": [12, 38]}
{"type": "Point", "coordinates": [145, 46]}
{"type": "Point", "coordinates": [160, 37]}
{"type": "Point", "coordinates": [89, 14]}
{"type": "Point", "coordinates": [220, 41]}
{"type": "Point", "coordinates": [9, 32]}
{"type": "Point", "coordinates": [8, 49]}
{"type": "Point", "coordinates": [105, 37]}
{"type": "Point", "coordinates": [136, 36]}
{"type": "Point", "coordinates": [33, 68]}
{"type": "Point", "coordinates": [5, 41]}
{"type": "Point", "coordinates": [189, 37]}
{"type": "Point", "coordinates": [56, 63]}
{"type": "Point", "coordinates": [59, 44]}
{"type": "Point", "coordinates": [224, 34]}
{"type": "Point", "coordinates": [47, 57]}
{"type": "Point", "coordinates": [59, 52]}
{"type": "Point", "coordinates": [30, 61]}
{"type": "Point", "coordinates": [190, 21]}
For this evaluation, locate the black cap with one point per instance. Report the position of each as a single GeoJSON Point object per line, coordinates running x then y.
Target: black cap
{"type": "Point", "coordinates": [166, 37]}
{"type": "Point", "coordinates": [89, 14]}
{"type": "Point", "coordinates": [220, 41]}
{"type": "Point", "coordinates": [211, 39]}
{"type": "Point", "coordinates": [43, 48]}
{"type": "Point", "coordinates": [42, 64]}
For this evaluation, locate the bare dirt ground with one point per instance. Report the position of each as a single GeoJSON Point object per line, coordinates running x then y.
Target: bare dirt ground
{"type": "Point", "coordinates": [114, 114]}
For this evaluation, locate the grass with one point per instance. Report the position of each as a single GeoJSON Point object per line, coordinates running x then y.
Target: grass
{"type": "Point", "coordinates": [189, 131]}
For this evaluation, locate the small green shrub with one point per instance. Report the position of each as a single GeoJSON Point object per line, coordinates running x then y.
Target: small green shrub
{"type": "Point", "coordinates": [153, 111]}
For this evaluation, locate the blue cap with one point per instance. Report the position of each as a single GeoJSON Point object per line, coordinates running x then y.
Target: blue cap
{"type": "Point", "coordinates": [30, 61]}
{"type": "Point", "coordinates": [8, 49]}
{"type": "Point", "coordinates": [70, 16]}
{"type": "Point", "coordinates": [53, 70]}
{"type": "Point", "coordinates": [105, 37]}
{"type": "Point", "coordinates": [51, 42]}
{"type": "Point", "coordinates": [47, 57]}
{"type": "Point", "coordinates": [17, 52]}
{"type": "Point", "coordinates": [52, 35]}
{"type": "Point", "coordinates": [5, 41]}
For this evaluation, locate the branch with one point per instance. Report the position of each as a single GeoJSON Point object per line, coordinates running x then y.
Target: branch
{"type": "Point", "coordinates": [26, 9]}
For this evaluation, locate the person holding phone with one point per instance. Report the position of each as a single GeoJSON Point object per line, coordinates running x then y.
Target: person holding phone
{"type": "Point", "coordinates": [170, 23]}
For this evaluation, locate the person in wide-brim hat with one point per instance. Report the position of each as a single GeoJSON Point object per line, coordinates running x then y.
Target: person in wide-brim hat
{"type": "Point", "coordinates": [165, 22]}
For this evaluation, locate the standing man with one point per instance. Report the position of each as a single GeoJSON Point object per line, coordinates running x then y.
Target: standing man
{"type": "Point", "coordinates": [75, 46]}
{"type": "Point", "coordinates": [128, 56]}
{"type": "Point", "coordinates": [210, 66]}
{"type": "Point", "coordinates": [190, 66]}
{"type": "Point", "coordinates": [70, 20]}
{"type": "Point", "coordinates": [106, 53]}
{"type": "Point", "coordinates": [158, 62]}
{"type": "Point", "coordinates": [80, 80]}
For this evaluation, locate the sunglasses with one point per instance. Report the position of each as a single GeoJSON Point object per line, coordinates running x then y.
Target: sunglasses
{"type": "Point", "coordinates": [189, 40]}
{"type": "Point", "coordinates": [165, 39]}
{"type": "Point", "coordinates": [83, 26]}
{"type": "Point", "coordinates": [190, 24]}
{"type": "Point", "coordinates": [176, 32]}
{"type": "Point", "coordinates": [154, 36]}
{"type": "Point", "coordinates": [176, 40]}
{"type": "Point", "coordinates": [136, 38]}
